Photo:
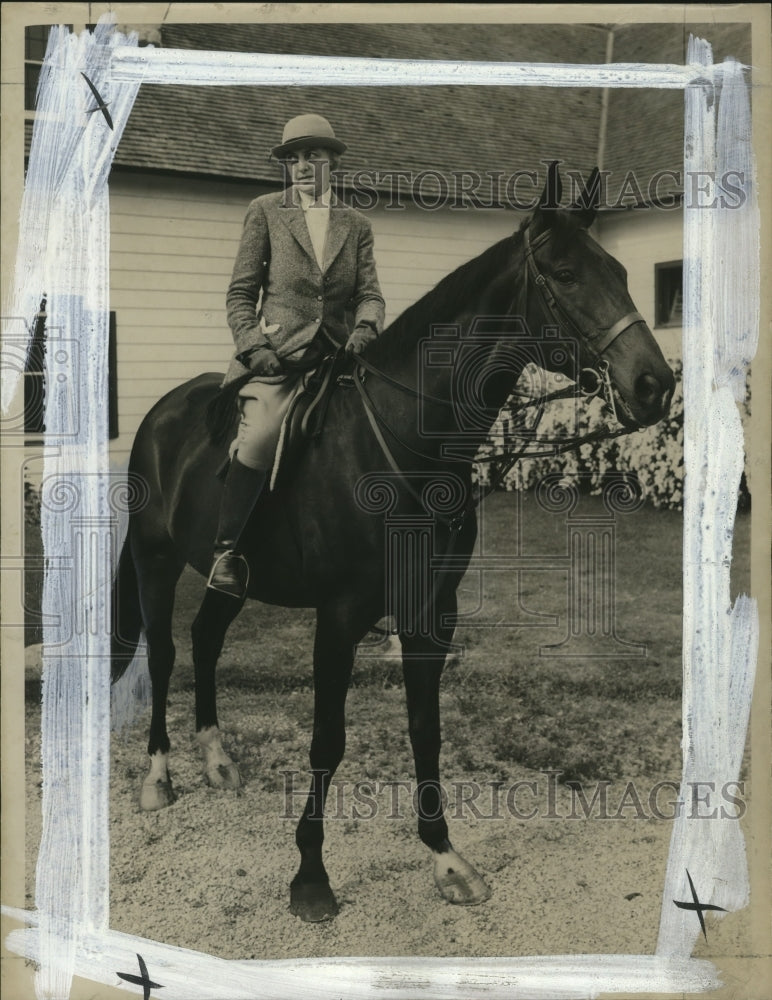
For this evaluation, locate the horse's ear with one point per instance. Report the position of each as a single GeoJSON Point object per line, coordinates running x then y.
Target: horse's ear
{"type": "Point", "coordinates": [588, 201]}
{"type": "Point", "coordinates": [553, 189]}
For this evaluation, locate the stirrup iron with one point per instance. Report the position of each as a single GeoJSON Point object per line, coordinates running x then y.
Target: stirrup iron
{"type": "Point", "coordinates": [236, 574]}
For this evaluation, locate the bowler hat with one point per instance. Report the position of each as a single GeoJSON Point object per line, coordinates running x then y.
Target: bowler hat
{"type": "Point", "coordinates": [307, 130]}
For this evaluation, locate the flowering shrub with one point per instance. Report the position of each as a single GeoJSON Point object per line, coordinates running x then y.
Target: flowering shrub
{"type": "Point", "coordinates": [653, 454]}
{"type": "Point", "coordinates": [31, 505]}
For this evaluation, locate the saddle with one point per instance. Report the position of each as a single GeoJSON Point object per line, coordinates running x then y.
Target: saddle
{"type": "Point", "coordinates": [305, 418]}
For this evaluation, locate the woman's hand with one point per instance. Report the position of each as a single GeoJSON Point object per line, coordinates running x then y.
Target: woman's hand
{"type": "Point", "coordinates": [264, 361]}
{"type": "Point", "coordinates": [359, 339]}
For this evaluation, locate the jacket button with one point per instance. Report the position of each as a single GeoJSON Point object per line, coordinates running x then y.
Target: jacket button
{"type": "Point", "coordinates": [318, 298]}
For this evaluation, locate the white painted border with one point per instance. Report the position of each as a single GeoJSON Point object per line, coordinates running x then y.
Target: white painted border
{"type": "Point", "coordinates": [86, 935]}
{"type": "Point", "coordinates": [190, 975]}
{"type": "Point", "coordinates": [720, 336]}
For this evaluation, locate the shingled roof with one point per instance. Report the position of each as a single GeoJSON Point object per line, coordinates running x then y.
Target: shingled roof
{"type": "Point", "coordinates": [646, 127]}
{"type": "Point", "coordinates": [228, 131]}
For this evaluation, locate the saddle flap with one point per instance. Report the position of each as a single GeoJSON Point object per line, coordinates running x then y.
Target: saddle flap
{"type": "Point", "coordinates": [305, 418]}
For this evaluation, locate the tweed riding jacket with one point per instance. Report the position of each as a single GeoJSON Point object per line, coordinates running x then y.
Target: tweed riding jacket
{"type": "Point", "coordinates": [279, 296]}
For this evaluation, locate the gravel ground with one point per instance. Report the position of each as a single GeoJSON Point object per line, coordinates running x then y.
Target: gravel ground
{"type": "Point", "coordinates": [211, 872]}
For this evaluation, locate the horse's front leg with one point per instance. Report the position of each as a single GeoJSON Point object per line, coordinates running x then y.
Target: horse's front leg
{"type": "Point", "coordinates": [423, 659]}
{"type": "Point", "coordinates": [311, 897]}
{"type": "Point", "coordinates": [216, 613]}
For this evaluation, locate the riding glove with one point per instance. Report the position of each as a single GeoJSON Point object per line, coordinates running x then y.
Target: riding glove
{"type": "Point", "coordinates": [263, 361]}
{"type": "Point", "coordinates": [359, 339]}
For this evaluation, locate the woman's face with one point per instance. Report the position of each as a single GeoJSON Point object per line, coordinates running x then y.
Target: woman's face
{"type": "Point", "coordinates": [310, 169]}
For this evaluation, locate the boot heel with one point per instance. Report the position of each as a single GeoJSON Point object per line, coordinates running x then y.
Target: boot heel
{"type": "Point", "coordinates": [241, 489]}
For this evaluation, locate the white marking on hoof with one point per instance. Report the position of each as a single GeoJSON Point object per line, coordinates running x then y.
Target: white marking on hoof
{"type": "Point", "coordinates": [219, 769]}
{"type": "Point", "coordinates": [458, 881]}
{"type": "Point", "coordinates": [157, 791]}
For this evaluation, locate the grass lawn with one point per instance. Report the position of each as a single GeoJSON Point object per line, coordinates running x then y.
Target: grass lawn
{"type": "Point", "coordinates": [506, 699]}
{"type": "Point", "coordinates": [215, 865]}
{"type": "Point", "coordinates": [592, 715]}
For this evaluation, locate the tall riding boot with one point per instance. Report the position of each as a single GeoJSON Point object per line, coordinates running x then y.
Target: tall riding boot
{"type": "Point", "coordinates": [230, 571]}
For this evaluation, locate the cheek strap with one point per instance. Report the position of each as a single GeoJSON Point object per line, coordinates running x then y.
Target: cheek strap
{"type": "Point", "coordinates": [598, 342]}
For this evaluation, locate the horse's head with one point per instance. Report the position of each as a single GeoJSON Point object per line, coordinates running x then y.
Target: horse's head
{"type": "Point", "coordinates": [549, 295]}
{"type": "Point", "coordinates": [572, 284]}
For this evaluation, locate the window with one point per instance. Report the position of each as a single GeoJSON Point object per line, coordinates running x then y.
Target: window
{"type": "Point", "coordinates": [35, 40]}
{"type": "Point", "coordinates": [112, 380]}
{"type": "Point", "coordinates": [668, 293]}
{"type": "Point", "coordinates": [34, 379]}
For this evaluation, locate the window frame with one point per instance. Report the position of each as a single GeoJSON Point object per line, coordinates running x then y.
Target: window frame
{"type": "Point", "coordinates": [35, 375]}
{"type": "Point", "coordinates": [664, 271]}
{"type": "Point", "coordinates": [34, 64]}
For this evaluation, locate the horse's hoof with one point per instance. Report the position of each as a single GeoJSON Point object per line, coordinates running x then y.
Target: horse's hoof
{"type": "Point", "coordinates": [156, 795]}
{"type": "Point", "coordinates": [457, 881]}
{"type": "Point", "coordinates": [224, 776]}
{"type": "Point", "coordinates": [313, 901]}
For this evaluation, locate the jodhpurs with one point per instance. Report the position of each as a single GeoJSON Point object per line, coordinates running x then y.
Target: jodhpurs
{"type": "Point", "coordinates": [263, 404]}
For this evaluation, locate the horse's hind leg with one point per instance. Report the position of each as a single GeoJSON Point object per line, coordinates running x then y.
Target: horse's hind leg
{"type": "Point", "coordinates": [337, 633]}
{"type": "Point", "coordinates": [158, 569]}
{"type": "Point", "coordinates": [423, 659]}
{"type": "Point", "coordinates": [216, 613]}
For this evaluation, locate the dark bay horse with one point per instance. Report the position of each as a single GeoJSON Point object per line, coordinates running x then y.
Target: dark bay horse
{"type": "Point", "coordinates": [438, 375]}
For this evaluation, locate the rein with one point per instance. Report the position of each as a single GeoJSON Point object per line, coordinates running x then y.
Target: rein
{"type": "Point", "coordinates": [558, 445]}
{"type": "Point", "coordinates": [592, 382]}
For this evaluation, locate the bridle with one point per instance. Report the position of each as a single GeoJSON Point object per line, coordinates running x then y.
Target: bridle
{"type": "Point", "coordinates": [592, 382]}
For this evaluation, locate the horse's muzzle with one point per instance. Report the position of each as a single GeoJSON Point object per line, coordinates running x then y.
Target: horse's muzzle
{"type": "Point", "coordinates": [651, 393]}
{"type": "Point", "coordinates": [646, 408]}
{"type": "Point", "coordinates": [651, 396]}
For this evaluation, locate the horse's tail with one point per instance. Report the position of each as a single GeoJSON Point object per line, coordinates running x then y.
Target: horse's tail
{"type": "Point", "coordinates": [126, 614]}
{"type": "Point", "coordinates": [222, 411]}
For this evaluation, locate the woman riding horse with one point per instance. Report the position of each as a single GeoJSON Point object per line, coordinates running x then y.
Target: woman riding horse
{"type": "Point", "coordinates": [310, 258]}
{"type": "Point", "coordinates": [333, 539]}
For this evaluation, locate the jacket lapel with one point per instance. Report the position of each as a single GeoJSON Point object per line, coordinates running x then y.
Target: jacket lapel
{"type": "Point", "coordinates": [292, 216]}
{"type": "Point", "coordinates": [337, 233]}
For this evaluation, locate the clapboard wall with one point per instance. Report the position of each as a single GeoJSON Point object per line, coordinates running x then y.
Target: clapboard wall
{"type": "Point", "coordinates": [641, 240]}
{"type": "Point", "coordinates": [172, 245]}
{"type": "Point", "coordinates": [173, 242]}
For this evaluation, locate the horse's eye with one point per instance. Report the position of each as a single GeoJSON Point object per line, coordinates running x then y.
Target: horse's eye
{"type": "Point", "coordinates": [564, 276]}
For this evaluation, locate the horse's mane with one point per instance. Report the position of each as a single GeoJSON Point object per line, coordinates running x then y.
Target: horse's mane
{"type": "Point", "coordinates": [448, 298]}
